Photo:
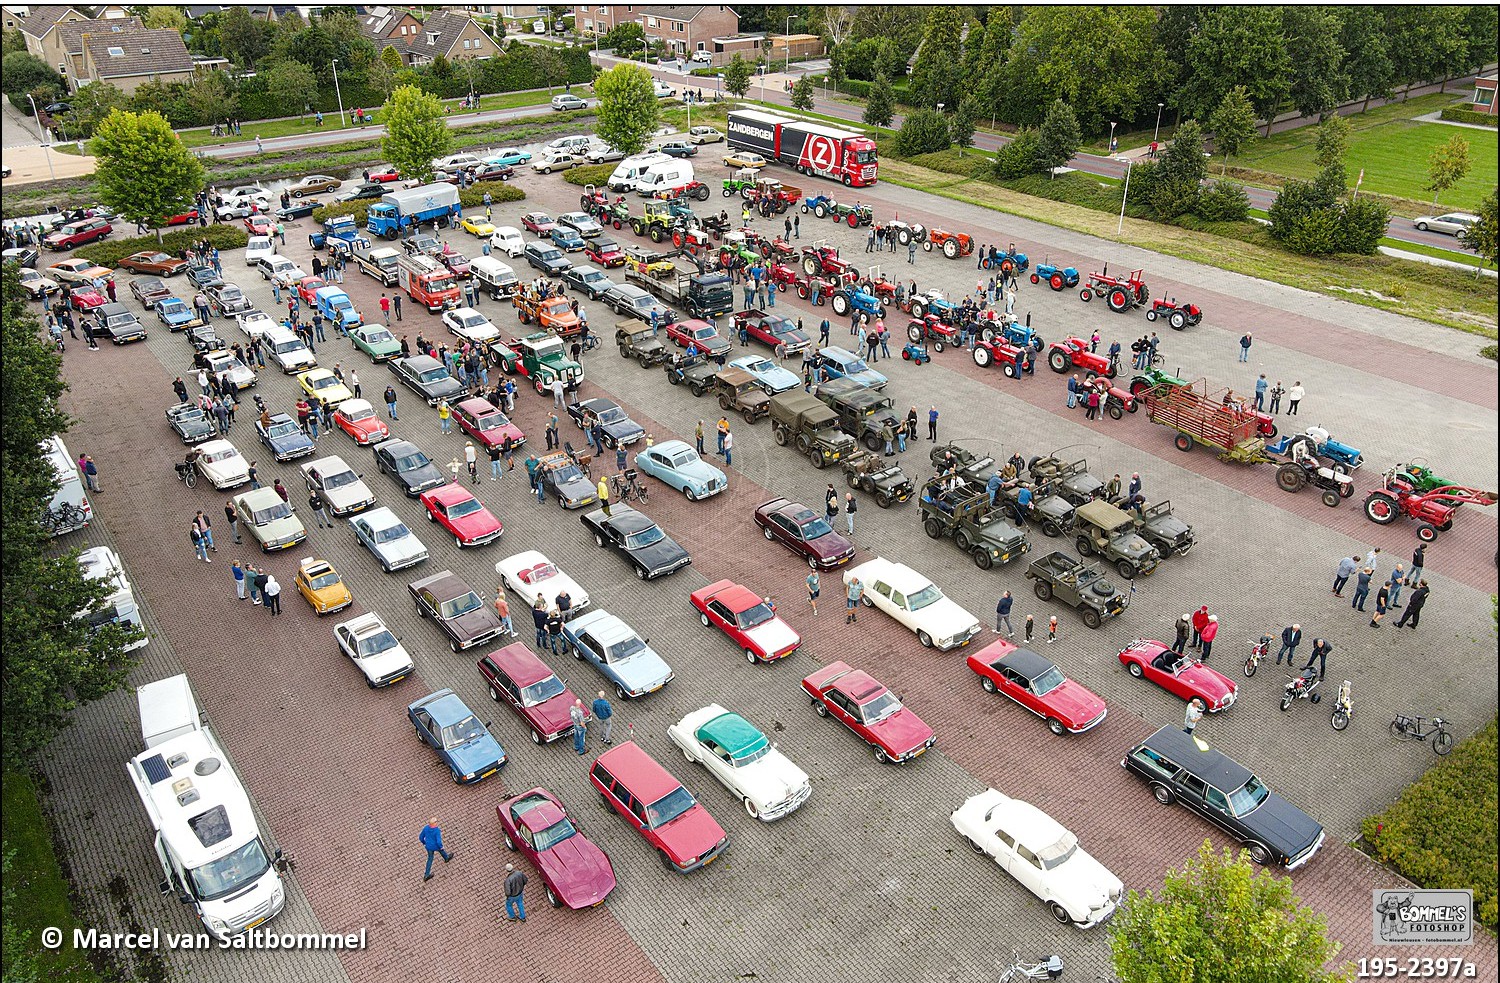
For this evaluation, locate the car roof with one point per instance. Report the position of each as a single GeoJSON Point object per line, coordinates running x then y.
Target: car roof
{"type": "Point", "coordinates": [447, 709]}
{"type": "Point", "coordinates": [381, 518]}
{"type": "Point", "coordinates": [671, 448]}
{"type": "Point", "coordinates": [1214, 767]}
{"type": "Point", "coordinates": [350, 406]}
{"type": "Point", "coordinates": [732, 732]}
{"type": "Point", "coordinates": [445, 586]}
{"type": "Point", "coordinates": [642, 775]}
{"type": "Point", "coordinates": [541, 816]}
{"type": "Point", "coordinates": [1031, 826]}
{"type": "Point", "coordinates": [599, 403]}
{"type": "Point", "coordinates": [255, 497]}
{"type": "Point", "coordinates": [477, 406]}
{"type": "Point", "coordinates": [520, 664]}
{"type": "Point", "coordinates": [315, 566]}
{"type": "Point", "coordinates": [898, 575]}
{"type": "Point", "coordinates": [449, 494]}
{"type": "Point", "coordinates": [860, 685]}
{"type": "Point", "coordinates": [1026, 662]}
{"type": "Point", "coordinates": [737, 597]}
{"type": "Point", "coordinates": [629, 521]}
{"type": "Point", "coordinates": [606, 627]}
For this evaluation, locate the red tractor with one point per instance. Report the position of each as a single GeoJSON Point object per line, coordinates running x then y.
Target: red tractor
{"type": "Point", "coordinates": [1074, 353]}
{"type": "Point", "coordinates": [1120, 294]}
{"type": "Point", "coordinates": [827, 286]}
{"type": "Point", "coordinates": [932, 328]}
{"type": "Point", "coordinates": [1179, 317]}
{"type": "Point", "coordinates": [783, 276]}
{"type": "Point", "coordinates": [593, 200]}
{"type": "Point", "coordinates": [997, 351]}
{"type": "Point", "coordinates": [696, 190]}
{"type": "Point", "coordinates": [821, 259]}
{"type": "Point", "coordinates": [953, 244]}
{"type": "Point", "coordinates": [691, 241]}
{"type": "Point", "coordinates": [1433, 509]}
{"type": "Point", "coordinates": [778, 250]}
{"type": "Point", "coordinates": [877, 284]}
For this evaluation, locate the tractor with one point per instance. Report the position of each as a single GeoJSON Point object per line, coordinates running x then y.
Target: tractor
{"type": "Point", "coordinates": [952, 244]}
{"type": "Point", "coordinates": [691, 240]}
{"type": "Point", "coordinates": [820, 205]}
{"type": "Point", "coordinates": [877, 284]}
{"type": "Point", "coordinates": [1432, 509]}
{"type": "Point", "coordinates": [738, 244]}
{"type": "Point", "coordinates": [617, 214]}
{"type": "Point", "coordinates": [696, 190]}
{"type": "Point", "coordinates": [1074, 353]}
{"type": "Point", "coordinates": [1318, 444]}
{"type": "Point", "coordinates": [826, 287]}
{"type": "Point", "coordinates": [823, 259]}
{"type": "Point", "coordinates": [1057, 279]}
{"type": "Point", "coordinates": [657, 221]}
{"type": "Point", "coordinates": [1420, 476]}
{"type": "Point", "coordinates": [740, 182]}
{"type": "Point", "coordinates": [996, 350]}
{"type": "Point", "coordinates": [778, 250]}
{"type": "Point", "coordinates": [907, 233]}
{"type": "Point", "coordinates": [1011, 261]}
{"type": "Point", "coordinates": [593, 201]}
{"type": "Point", "coordinates": [1179, 317]}
{"type": "Point", "coordinates": [931, 302]}
{"type": "Point", "coordinates": [782, 276]}
{"type": "Point", "coordinates": [851, 298]}
{"type": "Point", "coordinates": [934, 329]}
{"type": "Point", "coordinates": [771, 192]}
{"type": "Point", "coordinates": [853, 215]}
{"type": "Point", "coordinates": [1000, 327]}
{"type": "Point", "coordinates": [1120, 294]}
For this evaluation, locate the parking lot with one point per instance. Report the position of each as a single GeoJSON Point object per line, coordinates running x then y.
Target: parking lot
{"type": "Point", "coordinates": [870, 863]}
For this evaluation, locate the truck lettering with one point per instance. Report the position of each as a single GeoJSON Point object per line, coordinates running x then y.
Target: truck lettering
{"type": "Point", "coordinates": [759, 132]}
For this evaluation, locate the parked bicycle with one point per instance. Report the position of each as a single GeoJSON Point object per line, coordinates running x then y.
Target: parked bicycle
{"type": "Point", "coordinates": [1049, 968]}
{"type": "Point", "coordinates": [64, 518]}
{"type": "Point", "coordinates": [187, 471]}
{"type": "Point", "coordinates": [627, 485]}
{"type": "Point", "coordinates": [1343, 707]}
{"type": "Point", "coordinates": [1405, 728]}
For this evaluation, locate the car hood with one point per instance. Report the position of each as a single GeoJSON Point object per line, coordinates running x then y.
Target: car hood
{"type": "Point", "coordinates": [902, 732]}
{"type": "Point", "coordinates": [578, 871]}
{"type": "Point", "coordinates": [576, 489]}
{"type": "Point", "coordinates": [699, 472]}
{"type": "Point", "coordinates": [279, 528]}
{"type": "Point", "coordinates": [1210, 683]}
{"type": "Point", "coordinates": [381, 347]}
{"type": "Point", "coordinates": [944, 619]}
{"type": "Point", "coordinates": [869, 377]}
{"type": "Point", "coordinates": [1083, 882]}
{"type": "Point", "coordinates": [779, 379]}
{"type": "Point", "coordinates": [1282, 826]}
{"type": "Point", "coordinates": [387, 662]}
{"type": "Point", "coordinates": [831, 545]}
{"type": "Point", "coordinates": [442, 388]}
{"type": "Point", "coordinates": [772, 779]}
{"type": "Point", "coordinates": [401, 549]}
{"type": "Point", "coordinates": [621, 429]}
{"type": "Point", "coordinates": [692, 834]}
{"type": "Point", "coordinates": [773, 636]}
{"type": "Point", "coordinates": [480, 621]}
{"type": "Point", "coordinates": [477, 755]}
{"type": "Point", "coordinates": [660, 554]}
{"type": "Point", "coordinates": [350, 494]}
{"type": "Point", "coordinates": [421, 476]}
{"type": "Point", "coordinates": [480, 523]}
{"type": "Point", "coordinates": [232, 467]}
{"type": "Point", "coordinates": [195, 426]}
{"type": "Point", "coordinates": [292, 442]}
{"type": "Point", "coordinates": [185, 316]}
{"type": "Point", "coordinates": [643, 671]}
{"type": "Point", "coordinates": [1168, 526]}
{"type": "Point", "coordinates": [1074, 704]}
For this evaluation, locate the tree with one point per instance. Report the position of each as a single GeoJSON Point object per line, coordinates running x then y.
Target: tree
{"type": "Point", "coordinates": [165, 17]}
{"type": "Point", "coordinates": [1058, 138]}
{"type": "Point", "coordinates": [1367, 59]}
{"type": "Point", "coordinates": [889, 60]}
{"type": "Point", "coordinates": [629, 111]}
{"type": "Point", "coordinates": [624, 38]}
{"type": "Point", "coordinates": [1447, 165]}
{"type": "Point", "coordinates": [936, 76]}
{"type": "Point", "coordinates": [1318, 80]}
{"type": "Point", "coordinates": [880, 107]}
{"type": "Point", "coordinates": [838, 24]}
{"type": "Point", "coordinates": [802, 94]}
{"type": "Point", "coordinates": [1332, 141]}
{"type": "Point", "coordinates": [549, 67]}
{"type": "Point", "coordinates": [244, 39]}
{"type": "Point", "coordinates": [143, 171]}
{"type": "Point", "coordinates": [1018, 158]}
{"type": "Point", "coordinates": [838, 65]}
{"type": "Point", "coordinates": [92, 104]}
{"type": "Point", "coordinates": [1426, 42]}
{"type": "Point", "coordinates": [1481, 235]}
{"type": "Point", "coordinates": [1233, 124]}
{"type": "Point", "coordinates": [416, 131]}
{"type": "Point", "coordinates": [212, 94]}
{"type": "Point", "coordinates": [924, 131]}
{"type": "Point", "coordinates": [12, 41]}
{"type": "Point", "coordinates": [22, 73]}
{"type": "Point", "coordinates": [737, 76]}
{"type": "Point", "coordinates": [1236, 45]}
{"type": "Point", "coordinates": [383, 71]}
{"type": "Point", "coordinates": [1171, 187]}
{"type": "Point", "coordinates": [293, 85]}
{"type": "Point", "coordinates": [1218, 918]}
{"type": "Point", "coordinates": [961, 126]}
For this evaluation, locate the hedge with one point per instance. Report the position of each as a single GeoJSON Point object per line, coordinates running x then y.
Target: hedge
{"type": "Point", "coordinates": [1456, 115]}
{"type": "Point", "coordinates": [1441, 832]}
{"type": "Point", "coordinates": [111, 251]}
{"type": "Point", "coordinates": [589, 174]}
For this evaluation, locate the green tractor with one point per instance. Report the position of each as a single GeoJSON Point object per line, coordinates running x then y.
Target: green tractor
{"type": "Point", "coordinates": [741, 182]}
{"type": "Point", "coordinates": [1417, 474]}
{"type": "Point", "coordinates": [657, 221]}
{"type": "Point", "coordinates": [1149, 378]}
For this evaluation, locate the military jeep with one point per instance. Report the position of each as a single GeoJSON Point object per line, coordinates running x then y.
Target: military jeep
{"type": "Point", "coordinates": [697, 373]}
{"type": "Point", "coordinates": [1107, 532]}
{"type": "Point", "coordinates": [1071, 481]}
{"type": "Point", "coordinates": [1077, 585]}
{"type": "Point", "coordinates": [739, 390]}
{"type": "Point", "coordinates": [975, 527]}
{"type": "Point", "coordinates": [864, 414]}
{"type": "Point", "coordinates": [1169, 534]}
{"type": "Point", "coordinates": [640, 342]}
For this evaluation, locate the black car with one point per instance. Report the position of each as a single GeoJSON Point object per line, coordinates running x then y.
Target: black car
{"type": "Point", "coordinates": [632, 301]}
{"type": "Point", "coordinates": [204, 339]}
{"type": "Point", "coordinates": [23, 256]}
{"type": "Point", "coordinates": [546, 257]}
{"type": "Point", "coordinates": [652, 552]}
{"type": "Point", "coordinates": [285, 439]}
{"type": "Point", "coordinates": [405, 462]}
{"type": "Point", "coordinates": [459, 611]}
{"type": "Point", "coordinates": [619, 429]}
{"type": "Point", "coordinates": [426, 376]}
{"type": "Point", "coordinates": [298, 209]}
{"type": "Point", "coordinates": [226, 299]}
{"type": "Point", "coordinates": [190, 423]}
{"type": "Point", "coordinates": [203, 276]}
{"type": "Point", "coordinates": [588, 280]}
{"type": "Point", "coordinates": [1180, 768]}
{"type": "Point", "coordinates": [362, 191]}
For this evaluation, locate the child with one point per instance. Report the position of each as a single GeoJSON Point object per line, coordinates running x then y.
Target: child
{"type": "Point", "coordinates": [1052, 629]}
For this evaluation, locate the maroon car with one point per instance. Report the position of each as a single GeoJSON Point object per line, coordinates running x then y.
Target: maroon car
{"type": "Point", "coordinates": [772, 330]}
{"type": "Point", "coordinates": [604, 251]}
{"type": "Point", "coordinates": [1039, 686]}
{"type": "Point", "coordinates": [518, 678]}
{"type": "Point", "coordinates": [462, 615]}
{"type": "Point", "coordinates": [574, 871]}
{"type": "Point", "coordinates": [481, 420]}
{"type": "Point", "coordinates": [858, 701]}
{"type": "Point", "coordinates": [539, 222]}
{"type": "Point", "coordinates": [150, 291]}
{"type": "Point", "coordinates": [77, 233]}
{"type": "Point", "coordinates": [804, 532]}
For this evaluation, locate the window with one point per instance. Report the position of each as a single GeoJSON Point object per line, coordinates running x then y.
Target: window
{"type": "Point", "coordinates": [1155, 762]}
{"type": "Point", "coordinates": [650, 21]}
{"type": "Point", "coordinates": [1028, 856]}
{"type": "Point", "coordinates": [117, 52]}
{"type": "Point", "coordinates": [467, 42]}
{"type": "Point", "coordinates": [1194, 785]}
{"type": "Point", "coordinates": [1216, 799]}
{"type": "Point", "coordinates": [1484, 97]}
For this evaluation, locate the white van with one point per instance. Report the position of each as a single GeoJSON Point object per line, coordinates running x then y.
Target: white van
{"type": "Point", "coordinates": [70, 492]}
{"type": "Point", "coordinates": [673, 174]}
{"type": "Point", "coordinates": [577, 144]}
{"type": "Point", "coordinates": [631, 168]}
{"type": "Point", "coordinates": [493, 276]}
{"type": "Point", "coordinates": [702, 57]}
{"type": "Point", "coordinates": [119, 607]}
{"type": "Point", "coordinates": [287, 350]}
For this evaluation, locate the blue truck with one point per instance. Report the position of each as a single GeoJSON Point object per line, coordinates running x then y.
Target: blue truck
{"type": "Point", "coordinates": [402, 209]}
{"type": "Point", "coordinates": [341, 228]}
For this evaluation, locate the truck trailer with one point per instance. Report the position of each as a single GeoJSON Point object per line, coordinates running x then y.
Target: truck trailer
{"type": "Point", "coordinates": [808, 148]}
{"type": "Point", "coordinates": [404, 208]}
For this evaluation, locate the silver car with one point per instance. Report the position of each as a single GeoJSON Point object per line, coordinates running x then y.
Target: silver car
{"type": "Point", "coordinates": [1453, 223]}
{"type": "Point", "coordinates": [384, 534]}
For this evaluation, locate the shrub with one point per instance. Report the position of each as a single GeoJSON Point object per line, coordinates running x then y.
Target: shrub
{"type": "Point", "coordinates": [1457, 115]}
{"type": "Point", "coordinates": [589, 174]}
{"type": "Point", "coordinates": [499, 191]}
{"type": "Point", "coordinates": [356, 208]}
{"type": "Point", "coordinates": [1019, 157]}
{"type": "Point", "coordinates": [1441, 832]}
{"type": "Point", "coordinates": [925, 131]}
{"type": "Point", "coordinates": [25, 73]}
{"type": "Point", "coordinates": [1224, 201]}
{"type": "Point", "coordinates": [111, 251]}
{"type": "Point", "coordinates": [1491, 352]}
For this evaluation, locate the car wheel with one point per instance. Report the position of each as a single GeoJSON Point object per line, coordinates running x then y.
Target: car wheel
{"type": "Point", "coordinates": [620, 692]}
{"type": "Point", "coordinates": [553, 899]}
{"type": "Point", "coordinates": [750, 656]}
{"type": "Point", "coordinates": [455, 647]}
{"type": "Point", "coordinates": [819, 707]}
{"type": "Point", "coordinates": [1134, 668]}
{"type": "Point", "coordinates": [598, 540]}
{"type": "Point", "coordinates": [1260, 854]}
{"type": "Point", "coordinates": [1162, 793]}
{"type": "Point", "coordinates": [510, 844]}
{"type": "Point", "coordinates": [988, 684]}
{"type": "Point", "coordinates": [640, 573]}
{"type": "Point", "coordinates": [494, 694]}
{"type": "Point", "coordinates": [812, 563]}
{"type": "Point", "coordinates": [1091, 618]}
{"type": "Point", "coordinates": [1060, 913]}
{"type": "Point", "coordinates": [1422, 226]}
{"type": "Point", "coordinates": [536, 738]}
{"type": "Point", "coordinates": [925, 639]}
{"type": "Point", "coordinates": [1056, 726]}
{"type": "Point", "coordinates": [881, 756]}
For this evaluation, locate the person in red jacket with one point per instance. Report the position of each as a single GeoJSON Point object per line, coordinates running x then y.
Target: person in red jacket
{"type": "Point", "coordinates": [1200, 621]}
{"type": "Point", "coordinates": [1210, 632]}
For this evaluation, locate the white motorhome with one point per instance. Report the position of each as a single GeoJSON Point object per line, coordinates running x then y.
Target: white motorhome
{"type": "Point", "coordinates": [206, 839]}
{"type": "Point", "coordinates": [119, 607]}
{"type": "Point", "coordinates": [69, 487]}
{"type": "Point", "coordinates": [628, 170]}
{"type": "Point", "coordinates": [659, 177]}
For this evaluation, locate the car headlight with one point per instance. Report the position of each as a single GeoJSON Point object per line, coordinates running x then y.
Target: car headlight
{"type": "Point", "coordinates": [469, 777]}
{"type": "Point", "coordinates": [277, 896]}
{"type": "Point", "coordinates": [217, 926]}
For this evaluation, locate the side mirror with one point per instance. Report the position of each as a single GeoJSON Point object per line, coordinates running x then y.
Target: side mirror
{"type": "Point", "coordinates": [165, 887]}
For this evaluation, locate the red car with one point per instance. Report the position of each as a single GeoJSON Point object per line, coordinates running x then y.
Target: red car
{"type": "Point", "coordinates": [358, 419]}
{"type": "Point", "coordinates": [539, 222]}
{"type": "Point", "coordinates": [518, 678]}
{"type": "Point", "coordinates": [647, 796]}
{"type": "Point", "coordinates": [152, 261]}
{"type": "Point", "coordinates": [804, 532]}
{"type": "Point", "coordinates": [747, 618]}
{"type": "Point", "coordinates": [182, 218]}
{"type": "Point", "coordinates": [77, 233]}
{"type": "Point", "coordinates": [1188, 678]}
{"type": "Point", "coordinates": [855, 699]}
{"type": "Point", "coordinates": [1074, 353]}
{"type": "Point", "coordinates": [481, 420]}
{"type": "Point", "coordinates": [459, 512]}
{"type": "Point", "coordinates": [307, 288]}
{"type": "Point", "coordinates": [86, 299]}
{"type": "Point", "coordinates": [384, 176]}
{"type": "Point", "coordinates": [700, 333]}
{"type": "Point", "coordinates": [259, 225]}
{"type": "Point", "coordinates": [574, 871]}
{"type": "Point", "coordinates": [772, 330]}
{"type": "Point", "coordinates": [604, 251]}
{"type": "Point", "coordinates": [1039, 686]}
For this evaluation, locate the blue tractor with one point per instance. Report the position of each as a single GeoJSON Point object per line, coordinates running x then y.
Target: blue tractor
{"type": "Point", "coordinates": [852, 298]}
{"type": "Point", "coordinates": [1012, 332]}
{"type": "Point", "coordinates": [1057, 279]}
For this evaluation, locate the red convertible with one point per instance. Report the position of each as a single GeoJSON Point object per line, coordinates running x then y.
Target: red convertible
{"type": "Point", "coordinates": [574, 871]}
{"type": "Point", "coordinates": [1074, 353]}
{"type": "Point", "coordinates": [481, 420]}
{"type": "Point", "coordinates": [804, 532]}
{"type": "Point", "coordinates": [1039, 686]}
{"type": "Point", "coordinates": [1188, 678]}
{"type": "Point", "coordinates": [86, 299]}
{"type": "Point", "coordinates": [182, 218]}
{"type": "Point", "coordinates": [519, 679]}
{"type": "Point", "coordinates": [747, 618]}
{"type": "Point", "coordinates": [855, 699]}
{"type": "Point", "coordinates": [385, 176]}
{"type": "Point", "coordinates": [459, 512]}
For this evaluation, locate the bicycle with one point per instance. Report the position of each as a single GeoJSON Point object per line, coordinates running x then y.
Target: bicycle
{"type": "Point", "coordinates": [65, 518]}
{"type": "Point", "coordinates": [1049, 968]}
{"type": "Point", "coordinates": [627, 485]}
{"type": "Point", "coordinates": [187, 473]}
{"type": "Point", "coordinates": [1404, 728]}
{"type": "Point", "coordinates": [590, 343]}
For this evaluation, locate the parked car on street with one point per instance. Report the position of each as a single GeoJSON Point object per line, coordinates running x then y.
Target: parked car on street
{"type": "Point", "coordinates": [374, 649]}
{"type": "Point", "coordinates": [876, 715]}
{"type": "Point", "coordinates": [382, 533]}
{"type": "Point", "coordinates": [575, 873]}
{"type": "Point", "coordinates": [1035, 683]}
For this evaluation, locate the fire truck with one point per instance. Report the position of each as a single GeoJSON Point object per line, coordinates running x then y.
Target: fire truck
{"type": "Point", "coordinates": [427, 282]}
{"type": "Point", "coordinates": [808, 148]}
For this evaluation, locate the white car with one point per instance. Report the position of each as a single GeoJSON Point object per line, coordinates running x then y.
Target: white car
{"type": "Point", "coordinates": [373, 647]}
{"type": "Point", "coordinates": [1036, 850]}
{"type": "Point", "coordinates": [531, 573]}
{"type": "Point", "coordinates": [338, 485]}
{"type": "Point", "coordinates": [222, 464]}
{"type": "Point", "coordinates": [603, 155]}
{"type": "Point", "coordinates": [662, 89]}
{"type": "Point", "coordinates": [916, 602]}
{"type": "Point", "coordinates": [35, 284]}
{"type": "Point", "coordinates": [1453, 223]}
{"type": "Point", "coordinates": [508, 240]}
{"type": "Point", "coordinates": [385, 535]}
{"type": "Point", "coordinates": [556, 160]}
{"type": "Point", "coordinates": [255, 323]}
{"type": "Point", "coordinates": [286, 275]}
{"type": "Point", "coordinates": [268, 520]}
{"type": "Point", "coordinates": [470, 325]}
{"type": "Point", "coordinates": [258, 248]}
{"type": "Point", "coordinates": [743, 760]}
{"type": "Point", "coordinates": [705, 134]}
{"type": "Point", "coordinates": [457, 162]}
{"type": "Point", "coordinates": [581, 223]}
{"type": "Point", "coordinates": [226, 364]}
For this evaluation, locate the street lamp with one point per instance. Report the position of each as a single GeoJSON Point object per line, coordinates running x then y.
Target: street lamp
{"type": "Point", "coordinates": [787, 40]}
{"type": "Point", "coordinates": [1125, 197]}
{"type": "Point", "coordinates": [46, 147]}
{"type": "Point", "coordinates": [338, 93]}
{"type": "Point", "coordinates": [1157, 132]}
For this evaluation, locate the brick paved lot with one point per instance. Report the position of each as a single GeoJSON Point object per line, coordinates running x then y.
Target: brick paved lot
{"type": "Point", "coordinates": [870, 864]}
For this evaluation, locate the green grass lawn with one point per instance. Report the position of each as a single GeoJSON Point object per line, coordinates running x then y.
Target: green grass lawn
{"type": "Point", "coordinates": [1392, 148]}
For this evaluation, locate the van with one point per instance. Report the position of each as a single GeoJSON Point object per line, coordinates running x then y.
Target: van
{"type": "Point", "coordinates": [631, 168]}
{"type": "Point", "coordinates": [659, 177]}
{"type": "Point", "coordinates": [577, 144]}
{"type": "Point", "coordinates": [664, 812]}
{"type": "Point", "coordinates": [69, 485]}
{"type": "Point", "coordinates": [168, 710]}
{"type": "Point", "coordinates": [119, 607]}
{"type": "Point", "coordinates": [335, 306]}
{"type": "Point", "coordinates": [287, 350]}
{"type": "Point", "coordinates": [493, 276]}
{"type": "Point", "coordinates": [702, 57]}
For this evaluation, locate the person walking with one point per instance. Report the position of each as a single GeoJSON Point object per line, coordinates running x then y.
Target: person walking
{"type": "Point", "coordinates": [390, 402]}
{"type": "Point", "coordinates": [850, 507]}
{"type": "Point", "coordinates": [1362, 588]}
{"type": "Point", "coordinates": [199, 545]}
{"type": "Point", "coordinates": [1052, 629]}
{"type": "Point", "coordinates": [90, 472]}
{"type": "Point", "coordinates": [603, 494]}
{"type": "Point", "coordinates": [605, 715]}
{"type": "Point", "coordinates": [1414, 606]}
{"type": "Point", "coordinates": [1184, 629]}
{"type": "Point", "coordinates": [1200, 622]}
{"type": "Point", "coordinates": [1382, 604]}
{"type": "Point", "coordinates": [396, 305]}
{"type": "Point", "coordinates": [1291, 637]}
{"type": "Point", "coordinates": [502, 611]}
{"type": "Point", "coordinates": [232, 519]}
{"type": "Point", "coordinates": [515, 884]}
{"type": "Point", "coordinates": [830, 504]}
{"type": "Point", "coordinates": [1245, 347]}
{"type": "Point", "coordinates": [1294, 397]}
{"type": "Point", "coordinates": [319, 510]}
{"type": "Point", "coordinates": [1321, 648]}
{"type": "Point", "coordinates": [814, 588]}
{"type": "Point", "coordinates": [1418, 561]}
{"type": "Point", "coordinates": [1210, 632]}
{"type": "Point", "coordinates": [728, 448]}
{"type": "Point", "coordinates": [431, 839]}
{"type": "Point", "coordinates": [1341, 576]}
{"type": "Point", "coordinates": [272, 593]}
{"type": "Point", "coordinates": [1277, 391]}
{"type": "Point", "coordinates": [445, 417]}
{"type": "Point", "coordinates": [471, 461]}
{"type": "Point", "coordinates": [239, 579]}
{"type": "Point", "coordinates": [1192, 716]}
{"type": "Point", "coordinates": [580, 719]}
{"type": "Point", "coordinates": [1002, 615]}
{"type": "Point", "coordinates": [851, 604]}
{"type": "Point", "coordinates": [698, 438]}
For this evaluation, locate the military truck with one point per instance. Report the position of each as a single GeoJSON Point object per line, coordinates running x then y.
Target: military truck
{"type": "Point", "coordinates": [1105, 531]}
{"type": "Point", "coordinates": [975, 526]}
{"type": "Point", "coordinates": [1164, 530]}
{"type": "Point", "coordinates": [1071, 481]}
{"type": "Point", "coordinates": [800, 420]}
{"type": "Point", "coordinates": [697, 373]}
{"type": "Point", "coordinates": [640, 342]}
{"type": "Point", "coordinates": [1078, 585]}
{"type": "Point", "coordinates": [1050, 511]}
{"type": "Point", "coordinates": [738, 390]}
{"type": "Point", "coordinates": [863, 413]}
{"type": "Point", "coordinates": [873, 475]}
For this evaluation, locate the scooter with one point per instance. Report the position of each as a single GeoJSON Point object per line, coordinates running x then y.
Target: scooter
{"type": "Point", "coordinates": [1343, 707]}
{"type": "Point", "coordinates": [1258, 651]}
{"type": "Point", "coordinates": [1303, 687]}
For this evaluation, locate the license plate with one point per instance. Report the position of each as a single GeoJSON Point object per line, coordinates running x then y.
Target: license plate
{"type": "Point", "coordinates": [919, 753]}
{"type": "Point", "coordinates": [710, 860]}
{"type": "Point", "coordinates": [487, 774]}
{"type": "Point", "coordinates": [258, 921]}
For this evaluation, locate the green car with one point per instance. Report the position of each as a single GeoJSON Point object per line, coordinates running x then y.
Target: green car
{"type": "Point", "coordinates": [376, 341]}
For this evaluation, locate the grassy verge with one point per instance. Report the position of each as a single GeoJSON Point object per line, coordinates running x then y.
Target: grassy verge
{"type": "Point", "coordinates": [1437, 252]}
{"type": "Point", "coordinates": [1441, 832]}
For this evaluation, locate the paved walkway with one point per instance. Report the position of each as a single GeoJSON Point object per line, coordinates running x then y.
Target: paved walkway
{"type": "Point", "coordinates": [1438, 118]}
{"type": "Point", "coordinates": [36, 163]}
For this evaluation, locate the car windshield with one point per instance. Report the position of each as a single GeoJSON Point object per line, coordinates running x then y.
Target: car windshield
{"type": "Point", "coordinates": [762, 365]}
{"type": "Point", "coordinates": [591, 276]}
{"type": "Point", "coordinates": [922, 598]}
{"type": "Point", "coordinates": [685, 460]}
{"type": "Point", "coordinates": [376, 337]}
{"type": "Point", "coordinates": [171, 306]}
{"type": "Point", "coordinates": [472, 320]}
{"type": "Point", "coordinates": [323, 580]}
{"type": "Point", "coordinates": [865, 156]}
{"type": "Point", "coordinates": [669, 807]}
{"type": "Point", "coordinates": [440, 283]}
{"type": "Point", "coordinates": [568, 472]}
{"type": "Point", "coordinates": [412, 461]}
{"type": "Point", "coordinates": [554, 834]}
{"type": "Point", "coordinates": [224, 454]}
{"type": "Point", "coordinates": [190, 416]}
{"type": "Point", "coordinates": [392, 533]}
{"type": "Point", "coordinates": [433, 375]}
{"type": "Point", "coordinates": [324, 382]}
{"type": "Point", "coordinates": [755, 616]}
{"type": "Point", "coordinates": [704, 333]}
{"type": "Point", "coordinates": [1248, 797]}
{"type": "Point", "coordinates": [460, 606]}
{"type": "Point", "coordinates": [1048, 681]}
{"type": "Point", "coordinates": [231, 293]}
{"type": "Point", "coordinates": [381, 641]}
{"type": "Point", "coordinates": [279, 429]}
{"type": "Point", "coordinates": [340, 480]}
{"type": "Point", "coordinates": [753, 753]}
{"type": "Point", "coordinates": [355, 416]}
{"type": "Point", "coordinates": [815, 528]}
{"type": "Point", "coordinates": [612, 415]}
{"type": "Point", "coordinates": [550, 253]}
{"type": "Point", "coordinates": [231, 873]}
{"type": "Point", "coordinates": [855, 365]}
{"type": "Point", "coordinates": [879, 708]}
{"type": "Point", "coordinates": [464, 508]}
{"type": "Point", "coordinates": [541, 691]}
{"type": "Point", "coordinates": [624, 649]}
{"type": "Point", "coordinates": [280, 510]}
{"type": "Point", "coordinates": [646, 537]}
{"type": "Point", "coordinates": [1059, 853]}
{"type": "Point", "coordinates": [461, 733]}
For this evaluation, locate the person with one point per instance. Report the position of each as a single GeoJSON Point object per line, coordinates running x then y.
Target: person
{"type": "Point", "coordinates": [1291, 637]}
{"type": "Point", "coordinates": [539, 621]}
{"type": "Point", "coordinates": [1210, 632]}
{"type": "Point", "coordinates": [1200, 621]}
{"type": "Point", "coordinates": [1321, 648]}
{"type": "Point", "coordinates": [1184, 629]}
{"type": "Point", "coordinates": [431, 839]}
{"type": "Point", "coordinates": [515, 884]}
{"type": "Point", "coordinates": [1277, 391]}
{"type": "Point", "coordinates": [932, 422]}
{"type": "Point", "coordinates": [1029, 627]}
{"type": "Point", "coordinates": [851, 606]}
{"type": "Point", "coordinates": [1362, 588]}
{"type": "Point", "coordinates": [390, 402]}
{"type": "Point", "coordinates": [1261, 385]}
{"type": "Point", "coordinates": [238, 572]}
{"type": "Point", "coordinates": [319, 510]}
{"type": "Point", "coordinates": [272, 594]}
{"type": "Point", "coordinates": [1382, 603]}
{"type": "Point", "coordinates": [1245, 347]}
{"type": "Point", "coordinates": [1002, 614]}
{"type": "Point", "coordinates": [453, 469]}
{"type": "Point", "coordinates": [502, 611]}
{"type": "Point", "coordinates": [850, 507]}
{"type": "Point", "coordinates": [445, 417]}
{"type": "Point", "coordinates": [1396, 582]}
{"type": "Point", "coordinates": [1341, 576]}
{"type": "Point", "coordinates": [729, 450]}
{"type": "Point", "coordinates": [199, 545]}
{"type": "Point", "coordinates": [471, 461]}
{"type": "Point", "coordinates": [814, 588]}
{"type": "Point", "coordinates": [1414, 606]}
{"type": "Point", "coordinates": [580, 720]}
{"type": "Point", "coordinates": [90, 473]}
{"type": "Point", "coordinates": [1193, 715]}
{"type": "Point", "coordinates": [605, 714]}
{"type": "Point", "coordinates": [1418, 560]}
{"type": "Point", "coordinates": [1052, 629]}
{"type": "Point", "coordinates": [603, 494]}
{"type": "Point", "coordinates": [1294, 397]}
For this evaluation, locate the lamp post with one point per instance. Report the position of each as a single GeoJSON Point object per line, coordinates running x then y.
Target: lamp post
{"type": "Point", "coordinates": [1157, 132]}
{"type": "Point", "coordinates": [787, 40]}
{"type": "Point", "coordinates": [1125, 197]}
{"type": "Point", "coordinates": [1112, 136]}
{"type": "Point", "coordinates": [337, 92]}
{"type": "Point", "coordinates": [46, 147]}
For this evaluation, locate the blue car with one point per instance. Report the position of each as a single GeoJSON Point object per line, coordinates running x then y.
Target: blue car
{"type": "Point", "coordinates": [620, 655]}
{"type": "Point", "coordinates": [567, 239]}
{"type": "Point", "coordinates": [676, 464]}
{"type": "Point", "coordinates": [838, 363]}
{"type": "Point", "coordinates": [177, 314]}
{"type": "Point", "coordinates": [285, 438]}
{"type": "Point", "coordinates": [509, 156]}
{"type": "Point", "coordinates": [450, 728]}
{"type": "Point", "coordinates": [772, 377]}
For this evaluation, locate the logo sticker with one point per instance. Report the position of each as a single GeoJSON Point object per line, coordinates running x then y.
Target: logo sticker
{"type": "Point", "coordinates": [1422, 916]}
{"type": "Point", "coordinates": [820, 153]}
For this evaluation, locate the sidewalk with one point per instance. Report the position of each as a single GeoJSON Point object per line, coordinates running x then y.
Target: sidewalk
{"type": "Point", "coordinates": [1437, 118]}
{"type": "Point", "coordinates": [30, 165]}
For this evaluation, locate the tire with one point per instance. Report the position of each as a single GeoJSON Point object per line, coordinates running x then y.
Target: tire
{"type": "Point", "coordinates": [819, 707]}
{"type": "Point", "coordinates": [1057, 361]}
{"type": "Point", "coordinates": [1177, 321]}
{"type": "Point", "coordinates": [1056, 726]}
{"type": "Point", "coordinates": [510, 844]}
{"type": "Point", "coordinates": [925, 639]}
{"type": "Point", "coordinates": [1184, 442]}
{"type": "Point", "coordinates": [1260, 854]}
{"type": "Point", "coordinates": [553, 899]}
{"type": "Point", "coordinates": [881, 756]}
{"type": "Point", "coordinates": [1442, 742]}
{"type": "Point", "coordinates": [1118, 300]}
{"type": "Point", "coordinates": [1151, 315]}
{"type": "Point", "coordinates": [1091, 618]}
{"type": "Point", "coordinates": [1059, 913]}
{"type": "Point", "coordinates": [1331, 499]}
{"type": "Point", "coordinates": [950, 249]}
{"type": "Point", "coordinates": [1339, 720]}
{"type": "Point", "coordinates": [1162, 794]}
{"type": "Point", "coordinates": [933, 529]}
{"type": "Point", "coordinates": [821, 210]}
{"type": "Point", "coordinates": [1056, 282]}
{"type": "Point", "coordinates": [904, 237]}
{"type": "Point", "coordinates": [817, 459]}
{"type": "Point", "coordinates": [750, 657]}
{"type": "Point", "coordinates": [191, 480]}
{"type": "Point", "coordinates": [1115, 411]}
{"type": "Point", "coordinates": [1085, 295]}
{"type": "Point", "coordinates": [1381, 508]}
{"type": "Point", "coordinates": [1125, 569]}
{"type": "Point", "coordinates": [1290, 477]}
{"type": "Point", "coordinates": [1250, 667]}
{"type": "Point", "coordinates": [1042, 590]}
{"type": "Point", "coordinates": [1286, 703]}
{"type": "Point", "coordinates": [841, 305]}
{"type": "Point", "coordinates": [1035, 278]}
{"type": "Point", "coordinates": [1085, 546]}
{"type": "Point", "coordinates": [1134, 668]}
{"type": "Point", "coordinates": [1422, 226]}
{"type": "Point", "coordinates": [917, 310]}
{"type": "Point", "coordinates": [1426, 533]}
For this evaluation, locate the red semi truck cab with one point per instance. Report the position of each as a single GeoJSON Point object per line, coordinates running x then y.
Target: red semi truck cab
{"type": "Point", "coordinates": [808, 148]}
{"type": "Point", "coordinates": [427, 282]}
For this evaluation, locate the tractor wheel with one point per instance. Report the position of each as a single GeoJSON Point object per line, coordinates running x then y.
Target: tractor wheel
{"type": "Point", "coordinates": [853, 220]}
{"type": "Point", "coordinates": [657, 233]}
{"type": "Point", "coordinates": [1331, 499]}
{"type": "Point", "coordinates": [677, 240]}
{"type": "Point", "coordinates": [1112, 371]}
{"type": "Point", "coordinates": [523, 317]}
{"type": "Point", "coordinates": [927, 246]}
{"type": "Point", "coordinates": [745, 193]}
{"type": "Point", "coordinates": [917, 310]}
{"type": "Point", "coordinates": [1290, 477]}
{"type": "Point", "coordinates": [983, 357]}
{"type": "Point", "coordinates": [701, 192]}
{"type": "Point", "coordinates": [1007, 265]}
{"type": "Point", "coordinates": [841, 305]}
{"type": "Point", "coordinates": [1056, 283]}
{"type": "Point", "coordinates": [938, 347]}
{"type": "Point", "coordinates": [1382, 508]}
{"type": "Point", "coordinates": [728, 193]}
{"type": "Point", "coordinates": [1086, 295]}
{"type": "Point", "coordinates": [913, 334]}
{"type": "Point", "coordinates": [586, 204]}
{"type": "Point", "coordinates": [1142, 292]}
{"type": "Point", "coordinates": [1035, 278]}
{"type": "Point", "coordinates": [1426, 533]}
{"type": "Point", "coordinates": [903, 236]}
{"type": "Point", "coordinates": [638, 227]}
{"type": "Point", "coordinates": [1118, 300]}
{"type": "Point", "coordinates": [1058, 361]}
{"type": "Point", "coordinates": [810, 265]}
{"type": "Point", "coordinates": [820, 210]}
{"type": "Point", "coordinates": [802, 291]}
{"type": "Point", "coordinates": [950, 249]}
{"type": "Point", "coordinates": [1010, 370]}
{"type": "Point", "coordinates": [1115, 411]}
{"type": "Point", "coordinates": [987, 335]}
{"type": "Point", "coordinates": [1151, 314]}
{"type": "Point", "coordinates": [1184, 442]}
{"type": "Point", "coordinates": [619, 224]}
{"type": "Point", "coordinates": [1177, 321]}
{"type": "Point", "coordinates": [804, 208]}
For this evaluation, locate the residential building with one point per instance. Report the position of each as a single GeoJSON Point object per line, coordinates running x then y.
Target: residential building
{"type": "Point", "coordinates": [602, 18]}
{"type": "Point", "coordinates": [450, 34]}
{"type": "Point", "coordinates": [1484, 95]}
{"type": "Point", "coordinates": [682, 29]}
{"type": "Point", "coordinates": [39, 26]}
{"type": "Point", "coordinates": [128, 58]}
{"type": "Point", "coordinates": [72, 35]}
{"type": "Point", "coordinates": [388, 27]}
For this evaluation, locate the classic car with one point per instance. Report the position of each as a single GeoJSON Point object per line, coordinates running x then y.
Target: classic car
{"type": "Point", "coordinates": [153, 262]}
{"type": "Point", "coordinates": [748, 619]}
{"type": "Point", "coordinates": [477, 225]}
{"type": "Point", "coordinates": [771, 376]}
{"type": "Point", "coordinates": [226, 299]}
{"type": "Point", "coordinates": [531, 574]}
{"type": "Point", "coordinates": [190, 424]}
{"type": "Point", "coordinates": [374, 648]}
{"type": "Point", "coordinates": [588, 280]}
{"type": "Point", "coordinates": [376, 341]}
{"type": "Point", "coordinates": [87, 299]}
{"type": "Point", "coordinates": [358, 419]}
{"type": "Point", "coordinates": [619, 429]}
{"type": "Point", "coordinates": [259, 225]}
{"type": "Point", "coordinates": [665, 813]}
{"type": "Point", "coordinates": [556, 159]}
{"type": "Point", "coordinates": [456, 509]}
{"type": "Point", "coordinates": [510, 156]}
{"type": "Point", "coordinates": [222, 465]}
{"type": "Point", "coordinates": [185, 217]}
{"type": "Point", "coordinates": [678, 148]}
{"type": "Point", "coordinates": [705, 134]}
{"type": "Point", "coordinates": [222, 364]}
{"type": "Point", "coordinates": [385, 535]}
{"type": "Point", "coordinates": [652, 552]}
{"type": "Point", "coordinates": [363, 191]}
{"type": "Point", "coordinates": [562, 478]}
{"type": "Point", "coordinates": [267, 519]}
{"type": "Point", "coordinates": [515, 676]}
{"type": "Point", "coordinates": [1039, 686]}
{"type": "Point", "coordinates": [744, 158]}
{"type": "Point", "coordinates": [492, 172]}
{"type": "Point", "coordinates": [700, 334]}
{"type": "Point", "coordinates": [205, 341]}
{"type": "Point", "coordinates": [320, 584]}
{"type": "Point", "coordinates": [298, 209]}
{"type": "Point", "coordinates": [574, 871]}
{"type": "Point", "coordinates": [118, 323]}
{"type": "Point", "coordinates": [456, 262]}
{"type": "Point", "coordinates": [481, 420]}
{"type": "Point", "coordinates": [461, 613]}
{"type": "Point", "coordinates": [449, 727]}
{"type": "Point", "coordinates": [1181, 676]}
{"type": "Point", "coordinates": [1036, 850]}
{"type": "Point", "coordinates": [743, 760]}
{"type": "Point", "coordinates": [621, 656]}
{"type": "Point", "coordinates": [508, 240]}
{"type": "Point", "coordinates": [149, 291]}
{"type": "Point", "coordinates": [581, 223]}
{"type": "Point", "coordinates": [837, 363]}
{"type": "Point", "coordinates": [470, 325]}
{"type": "Point", "coordinates": [774, 331]}
{"type": "Point", "coordinates": [77, 233]}
{"type": "Point", "coordinates": [539, 223]}
{"type": "Point", "coordinates": [426, 376]}
{"type": "Point", "coordinates": [79, 271]}
{"type": "Point", "coordinates": [915, 602]}
{"type": "Point", "coordinates": [338, 485]}
{"type": "Point", "coordinates": [35, 284]}
{"type": "Point", "coordinates": [632, 301]}
{"type": "Point", "coordinates": [604, 251]}
{"type": "Point", "coordinates": [384, 175]}
{"type": "Point", "coordinates": [177, 314]}
{"type": "Point", "coordinates": [307, 290]}
{"type": "Point", "coordinates": [285, 438]}
{"type": "Point", "coordinates": [876, 715]}
{"type": "Point", "coordinates": [321, 385]}
{"type": "Point", "coordinates": [546, 257]}
{"type": "Point", "coordinates": [804, 532]}
{"type": "Point", "coordinates": [203, 275]}
{"type": "Point", "coordinates": [601, 154]}
{"type": "Point", "coordinates": [677, 464]}
{"type": "Point", "coordinates": [408, 466]}
{"type": "Point", "coordinates": [312, 184]}
{"type": "Point", "coordinates": [254, 323]}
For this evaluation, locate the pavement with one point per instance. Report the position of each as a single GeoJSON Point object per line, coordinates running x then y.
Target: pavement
{"type": "Point", "coordinates": [870, 862]}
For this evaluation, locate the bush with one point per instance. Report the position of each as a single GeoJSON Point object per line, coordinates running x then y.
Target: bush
{"type": "Point", "coordinates": [1491, 352]}
{"type": "Point", "coordinates": [1224, 201]}
{"type": "Point", "coordinates": [1457, 115]}
{"type": "Point", "coordinates": [925, 131]}
{"type": "Point", "coordinates": [499, 191]}
{"type": "Point", "coordinates": [1441, 832]}
{"type": "Point", "coordinates": [1018, 158]}
{"type": "Point", "coordinates": [589, 174]}
{"type": "Point", "coordinates": [111, 251]}
{"type": "Point", "coordinates": [356, 208]}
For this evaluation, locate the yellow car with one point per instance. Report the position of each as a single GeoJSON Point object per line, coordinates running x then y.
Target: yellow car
{"type": "Point", "coordinates": [322, 586]}
{"type": "Point", "coordinates": [321, 384]}
{"type": "Point", "coordinates": [477, 225]}
{"type": "Point", "coordinates": [744, 158]}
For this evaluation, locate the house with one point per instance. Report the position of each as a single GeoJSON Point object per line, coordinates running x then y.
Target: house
{"type": "Point", "coordinates": [126, 59]}
{"type": "Point", "coordinates": [450, 34]}
{"type": "Point", "coordinates": [73, 33]}
{"type": "Point", "coordinates": [683, 30]}
{"type": "Point", "coordinates": [388, 27]}
{"type": "Point", "coordinates": [1484, 95]}
{"type": "Point", "coordinates": [602, 18]}
{"type": "Point", "coordinates": [39, 26]}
